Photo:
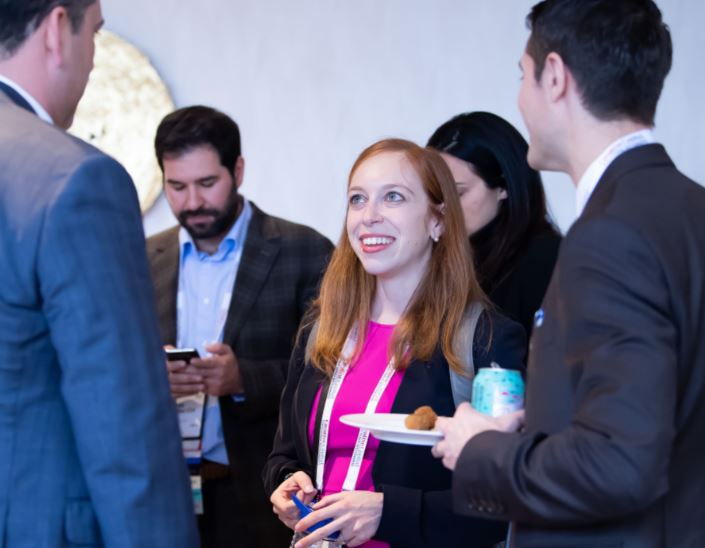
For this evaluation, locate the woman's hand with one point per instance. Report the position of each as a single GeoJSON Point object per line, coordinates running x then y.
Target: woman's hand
{"type": "Point", "coordinates": [299, 484]}
{"type": "Point", "coordinates": [356, 514]}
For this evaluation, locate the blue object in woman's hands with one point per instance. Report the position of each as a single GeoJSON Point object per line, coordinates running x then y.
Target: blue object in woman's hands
{"type": "Point", "coordinates": [305, 510]}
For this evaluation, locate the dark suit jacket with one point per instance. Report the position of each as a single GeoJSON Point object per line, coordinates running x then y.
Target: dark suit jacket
{"type": "Point", "coordinates": [615, 431]}
{"type": "Point", "coordinates": [417, 508]}
{"type": "Point", "coordinates": [278, 276]}
{"type": "Point", "coordinates": [90, 452]}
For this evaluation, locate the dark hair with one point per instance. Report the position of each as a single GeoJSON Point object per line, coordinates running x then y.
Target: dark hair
{"type": "Point", "coordinates": [191, 127]}
{"type": "Point", "coordinates": [20, 18]}
{"type": "Point", "coordinates": [619, 52]}
{"type": "Point", "coordinates": [496, 152]}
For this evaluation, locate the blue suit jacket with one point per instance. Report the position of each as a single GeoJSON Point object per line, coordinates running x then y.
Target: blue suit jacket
{"type": "Point", "coordinates": [89, 443]}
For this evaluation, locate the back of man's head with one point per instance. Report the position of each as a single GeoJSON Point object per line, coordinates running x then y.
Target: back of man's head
{"type": "Point", "coordinates": [192, 127]}
{"type": "Point", "coordinates": [618, 51]}
{"type": "Point", "coordinates": [20, 18]}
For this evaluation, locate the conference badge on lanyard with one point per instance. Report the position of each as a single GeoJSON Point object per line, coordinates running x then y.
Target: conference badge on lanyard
{"type": "Point", "coordinates": [192, 409]}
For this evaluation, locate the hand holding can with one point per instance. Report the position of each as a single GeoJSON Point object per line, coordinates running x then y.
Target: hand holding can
{"type": "Point", "coordinates": [497, 391]}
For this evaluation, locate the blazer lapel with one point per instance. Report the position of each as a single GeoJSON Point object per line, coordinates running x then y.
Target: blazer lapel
{"type": "Point", "coordinates": [261, 249]}
{"type": "Point", "coordinates": [165, 273]}
{"type": "Point", "coordinates": [308, 390]}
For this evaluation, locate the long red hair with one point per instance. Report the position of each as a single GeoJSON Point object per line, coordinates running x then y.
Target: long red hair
{"type": "Point", "coordinates": [436, 309]}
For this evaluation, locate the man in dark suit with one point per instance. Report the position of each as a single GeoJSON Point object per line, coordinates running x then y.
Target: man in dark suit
{"type": "Point", "coordinates": [90, 452]}
{"type": "Point", "coordinates": [234, 283]}
{"type": "Point", "coordinates": [612, 449]}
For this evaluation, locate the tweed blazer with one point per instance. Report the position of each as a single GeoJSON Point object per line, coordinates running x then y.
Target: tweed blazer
{"type": "Point", "coordinates": [278, 277]}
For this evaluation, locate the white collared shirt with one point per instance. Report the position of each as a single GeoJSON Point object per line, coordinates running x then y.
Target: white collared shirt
{"type": "Point", "coordinates": [597, 168]}
{"type": "Point", "coordinates": [38, 109]}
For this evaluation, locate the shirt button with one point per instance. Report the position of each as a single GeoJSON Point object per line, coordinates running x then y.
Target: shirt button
{"type": "Point", "coordinates": [206, 300]}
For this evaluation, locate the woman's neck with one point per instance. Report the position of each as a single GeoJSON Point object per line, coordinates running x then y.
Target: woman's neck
{"type": "Point", "coordinates": [391, 299]}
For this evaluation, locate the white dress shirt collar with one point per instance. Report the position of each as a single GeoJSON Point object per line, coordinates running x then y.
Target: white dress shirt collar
{"type": "Point", "coordinates": [38, 109]}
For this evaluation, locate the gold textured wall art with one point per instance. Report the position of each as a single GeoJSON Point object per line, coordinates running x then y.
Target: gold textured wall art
{"type": "Point", "coordinates": [119, 113]}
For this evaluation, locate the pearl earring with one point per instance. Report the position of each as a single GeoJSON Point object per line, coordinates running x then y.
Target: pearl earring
{"type": "Point", "coordinates": [434, 238]}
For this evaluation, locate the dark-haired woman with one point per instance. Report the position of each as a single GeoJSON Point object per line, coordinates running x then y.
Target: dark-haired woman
{"type": "Point", "coordinates": [514, 244]}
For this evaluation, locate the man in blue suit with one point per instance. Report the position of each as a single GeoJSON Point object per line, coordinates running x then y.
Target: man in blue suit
{"type": "Point", "coordinates": [90, 450]}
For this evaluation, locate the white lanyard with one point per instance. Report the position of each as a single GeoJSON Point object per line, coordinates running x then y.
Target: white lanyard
{"type": "Point", "coordinates": [341, 369]}
{"type": "Point", "coordinates": [633, 140]}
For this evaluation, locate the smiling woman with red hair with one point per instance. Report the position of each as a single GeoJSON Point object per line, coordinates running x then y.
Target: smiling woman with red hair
{"type": "Point", "coordinates": [384, 336]}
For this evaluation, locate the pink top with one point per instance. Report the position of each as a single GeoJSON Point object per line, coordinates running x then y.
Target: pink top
{"type": "Point", "coordinates": [355, 392]}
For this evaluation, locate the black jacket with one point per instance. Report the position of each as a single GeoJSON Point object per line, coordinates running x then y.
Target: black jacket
{"type": "Point", "coordinates": [520, 293]}
{"type": "Point", "coordinates": [417, 509]}
{"type": "Point", "coordinates": [615, 421]}
{"type": "Point", "coordinates": [519, 285]}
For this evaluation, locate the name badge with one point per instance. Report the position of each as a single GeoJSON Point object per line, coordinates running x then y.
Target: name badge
{"type": "Point", "coordinates": [191, 410]}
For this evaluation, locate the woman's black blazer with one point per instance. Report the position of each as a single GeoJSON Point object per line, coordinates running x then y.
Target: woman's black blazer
{"type": "Point", "coordinates": [418, 504]}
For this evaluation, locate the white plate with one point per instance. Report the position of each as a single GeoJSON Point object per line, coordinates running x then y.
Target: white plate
{"type": "Point", "coordinates": [390, 427]}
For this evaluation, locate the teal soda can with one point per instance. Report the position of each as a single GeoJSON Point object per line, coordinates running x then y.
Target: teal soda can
{"type": "Point", "coordinates": [497, 391]}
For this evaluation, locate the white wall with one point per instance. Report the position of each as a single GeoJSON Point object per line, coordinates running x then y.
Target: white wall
{"type": "Point", "coordinates": [312, 82]}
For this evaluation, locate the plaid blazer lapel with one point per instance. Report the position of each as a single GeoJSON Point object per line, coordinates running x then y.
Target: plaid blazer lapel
{"type": "Point", "coordinates": [258, 256]}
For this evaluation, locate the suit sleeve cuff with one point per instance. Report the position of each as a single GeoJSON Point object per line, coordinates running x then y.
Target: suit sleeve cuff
{"type": "Point", "coordinates": [477, 477]}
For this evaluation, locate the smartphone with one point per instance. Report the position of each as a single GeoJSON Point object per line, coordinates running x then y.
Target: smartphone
{"type": "Point", "coordinates": [184, 354]}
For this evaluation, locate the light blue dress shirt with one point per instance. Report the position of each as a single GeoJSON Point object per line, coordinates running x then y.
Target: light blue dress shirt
{"type": "Point", "coordinates": [204, 280]}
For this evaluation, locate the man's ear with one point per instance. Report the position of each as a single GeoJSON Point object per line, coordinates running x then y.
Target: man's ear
{"type": "Point", "coordinates": [56, 30]}
{"type": "Point", "coordinates": [554, 78]}
{"type": "Point", "coordinates": [239, 171]}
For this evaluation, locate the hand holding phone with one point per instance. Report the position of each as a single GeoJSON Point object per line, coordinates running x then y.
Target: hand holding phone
{"type": "Point", "coordinates": [184, 380]}
{"type": "Point", "coordinates": [181, 354]}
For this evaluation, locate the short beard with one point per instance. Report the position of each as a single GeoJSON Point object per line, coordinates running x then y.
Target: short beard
{"type": "Point", "coordinates": [223, 219]}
